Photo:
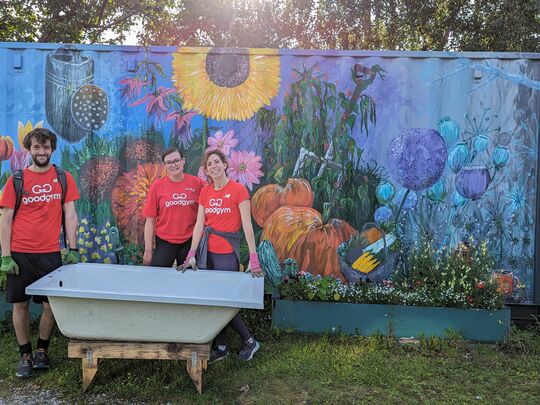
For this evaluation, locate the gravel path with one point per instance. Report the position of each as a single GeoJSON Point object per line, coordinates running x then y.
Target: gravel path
{"type": "Point", "coordinates": [33, 395]}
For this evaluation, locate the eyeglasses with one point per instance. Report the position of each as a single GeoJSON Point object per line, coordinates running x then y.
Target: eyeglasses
{"type": "Point", "coordinates": [172, 162]}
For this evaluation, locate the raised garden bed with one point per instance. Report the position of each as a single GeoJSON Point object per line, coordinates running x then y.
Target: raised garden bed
{"type": "Point", "coordinates": [480, 325]}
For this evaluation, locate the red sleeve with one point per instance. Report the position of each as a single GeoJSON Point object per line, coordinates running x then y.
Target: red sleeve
{"type": "Point", "coordinates": [8, 197]}
{"type": "Point", "coordinates": [242, 193]}
{"type": "Point", "coordinates": [150, 209]}
{"type": "Point", "coordinates": [72, 192]}
{"type": "Point", "coordinates": [202, 196]}
{"type": "Point", "coordinates": [202, 183]}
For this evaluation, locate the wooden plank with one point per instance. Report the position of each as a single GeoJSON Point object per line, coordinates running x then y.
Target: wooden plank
{"type": "Point", "coordinates": [137, 350]}
{"type": "Point", "coordinates": [90, 352]}
{"type": "Point", "coordinates": [89, 370]}
{"type": "Point", "coordinates": [195, 371]}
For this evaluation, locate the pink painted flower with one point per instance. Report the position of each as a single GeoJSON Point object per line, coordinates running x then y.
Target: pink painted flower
{"type": "Point", "coordinates": [132, 87]}
{"type": "Point", "coordinates": [157, 102]}
{"type": "Point", "coordinates": [223, 142]}
{"type": "Point", "coordinates": [20, 159]}
{"type": "Point", "coordinates": [245, 167]}
{"type": "Point", "coordinates": [181, 129]}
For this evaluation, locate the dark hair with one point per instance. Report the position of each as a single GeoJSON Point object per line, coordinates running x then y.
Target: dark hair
{"type": "Point", "coordinates": [41, 135]}
{"type": "Point", "coordinates": [219, 154]}
{"type": "Point", "coordinates": [169, 151]}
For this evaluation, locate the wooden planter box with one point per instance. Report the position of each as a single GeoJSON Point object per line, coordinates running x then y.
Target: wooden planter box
{"type": "Point", "coordinates": [35, 309]}
{"type": "Point", "coordinates": [478, 325]}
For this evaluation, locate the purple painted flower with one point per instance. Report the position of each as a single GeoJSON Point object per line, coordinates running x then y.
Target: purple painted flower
{"type": "Point", "coordinates": [416, 158]}
{"type": "Point", "coordinates": [473, 181]}
{"type": "Point", "coordinates": [181, 129]}
{"type": "Point", "coordinates": [20, 159]}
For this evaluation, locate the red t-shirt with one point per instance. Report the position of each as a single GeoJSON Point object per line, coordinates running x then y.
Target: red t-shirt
{"type": "Point", "coordinates": [37, 224]}
{"type": "Point", "coordinates": [174, 205]}
{"type": "Point", "coordinates": [222, 212]}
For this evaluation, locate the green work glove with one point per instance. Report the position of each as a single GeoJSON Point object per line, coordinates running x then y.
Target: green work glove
{"type": "Point", "coordinates": [72, 257]}
{"type": "Point", "coordinates": [9, 266]}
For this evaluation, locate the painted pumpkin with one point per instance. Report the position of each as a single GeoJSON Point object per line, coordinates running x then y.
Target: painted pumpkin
{"type": "Point", "coordinates": [286, 225]}
{"type": "Point", "coordinates": [301, 234]}
{"type": "Point", "coordinates": [296, 192]}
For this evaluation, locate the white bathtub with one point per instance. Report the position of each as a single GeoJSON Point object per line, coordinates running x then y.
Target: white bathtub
{"type": "Point", "coordinates": [146, 304]}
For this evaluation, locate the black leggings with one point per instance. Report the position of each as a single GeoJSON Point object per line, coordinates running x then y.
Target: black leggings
{"type": "Point", "coordinates": [166, 252]}
{"type": "Point", "coordinates": [228, 262]}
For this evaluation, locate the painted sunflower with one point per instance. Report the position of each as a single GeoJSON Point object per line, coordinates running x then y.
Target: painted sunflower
{"type": "Point", "coordinates": [226, 84]}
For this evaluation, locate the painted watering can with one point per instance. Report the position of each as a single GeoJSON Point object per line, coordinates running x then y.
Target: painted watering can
{"type": "Point", "coordinates": [74, 106]}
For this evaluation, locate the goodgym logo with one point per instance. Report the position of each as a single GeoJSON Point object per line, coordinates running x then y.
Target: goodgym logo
{"type": "Point", "coordinates": [179, 199]}
{"type": "Point", "coordinates": [215, 207]}
{"type": "Point", "coordinates": [43, 193]}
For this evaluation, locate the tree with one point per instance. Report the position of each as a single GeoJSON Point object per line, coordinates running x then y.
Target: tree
{"type": "Point", "coordinates": [75, 21]}
{"type": "Point", "coordinates": [480, 25]}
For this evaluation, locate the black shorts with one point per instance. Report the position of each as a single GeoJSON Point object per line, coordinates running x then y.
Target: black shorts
{"type": "Point", "coordinates": [32, 266]}
{"type": "Point", "coordinates": [166, 253]}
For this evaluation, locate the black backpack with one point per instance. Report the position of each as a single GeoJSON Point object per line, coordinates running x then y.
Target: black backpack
{"type": "Point", "coordinates": [18, 185]}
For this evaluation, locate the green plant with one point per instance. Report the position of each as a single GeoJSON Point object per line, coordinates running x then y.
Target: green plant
{"type": "Point", "coordinates": [465, 271]}
{"type": "Point", "coordinates": [459, 279]}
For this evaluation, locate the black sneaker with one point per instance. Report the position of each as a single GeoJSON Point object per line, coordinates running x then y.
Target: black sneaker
{"type": "Point", "coordinates": [41, 360]}
{"type": "Point", "coordinates": [249, 348]}
{"type": "Point", "coordinates": [217, 355]}
{"type": "Point", "coordinates": [26, 366]}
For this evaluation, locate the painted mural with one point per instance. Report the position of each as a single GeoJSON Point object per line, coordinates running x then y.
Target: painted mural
{"type": "Point", "coordinates": [351, 158]}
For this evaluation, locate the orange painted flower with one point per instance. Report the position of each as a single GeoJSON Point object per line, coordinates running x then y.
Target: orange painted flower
{"type": "Point", "coordinates": [97, 177]}
{"type": "Point", "coordinates": [128, 198]}
{"type": "Point", "coordinates": [6, 147]}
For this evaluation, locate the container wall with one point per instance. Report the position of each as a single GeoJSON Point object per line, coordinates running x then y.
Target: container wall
{"type": "Point", "coordinates": [452, 136]}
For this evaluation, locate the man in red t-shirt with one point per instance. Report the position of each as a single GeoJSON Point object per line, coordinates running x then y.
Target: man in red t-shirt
{"type": "Point", "coordinates": [171, 211]}
{"type": "Point", "coordinates": [30, 241]}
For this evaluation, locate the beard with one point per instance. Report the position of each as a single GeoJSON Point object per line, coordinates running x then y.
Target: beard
{"type": "Point", "coordinates": [41, 164]}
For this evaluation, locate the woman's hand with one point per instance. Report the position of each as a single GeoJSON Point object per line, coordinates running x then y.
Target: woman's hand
{"type": "Point", "coordinates": [147, 257]}
{"type": "Point", "coordinates": [189, 262]}
{"type": "Point", "coordinates": [254, 266]}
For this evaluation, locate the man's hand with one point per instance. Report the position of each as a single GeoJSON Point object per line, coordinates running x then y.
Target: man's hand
{"type": "Point", "coordinates": [189, 262]}
{"type": "Point", "coordinates": [254, 266]}
{"type": "Point", "coordinates": [72, 257]}
{"type": "Point", "coordinates": [9, 266]}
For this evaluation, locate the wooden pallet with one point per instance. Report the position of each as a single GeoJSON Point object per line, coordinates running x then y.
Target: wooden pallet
{"type": "Point", "coordinates": [90, 351]}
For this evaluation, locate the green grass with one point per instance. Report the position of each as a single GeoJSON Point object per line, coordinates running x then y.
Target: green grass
{"type": "Point", "coordinates": [293, 369]}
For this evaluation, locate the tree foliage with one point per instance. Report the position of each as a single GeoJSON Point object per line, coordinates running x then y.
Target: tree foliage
{"type": "Point", "coordinates": [75, 21]}
{"type": "Point", "coordinates": [481, 25]}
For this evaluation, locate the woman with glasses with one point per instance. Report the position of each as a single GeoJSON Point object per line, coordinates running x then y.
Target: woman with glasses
{"type": "Point", "coordinates": [171, 212]}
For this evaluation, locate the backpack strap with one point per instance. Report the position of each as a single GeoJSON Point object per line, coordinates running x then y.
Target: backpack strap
{"type": "Point", "coordinates": [18, 185]}
{"type": "Point", "coordinates": [61, 176]}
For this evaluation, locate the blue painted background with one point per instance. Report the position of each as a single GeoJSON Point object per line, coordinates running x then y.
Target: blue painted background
{"type": "Point", "coordinates": [484, 107]}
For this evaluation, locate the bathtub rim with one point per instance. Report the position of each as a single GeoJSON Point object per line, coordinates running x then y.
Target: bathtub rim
{"type": "Point", "coordinates": [40, 287]}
